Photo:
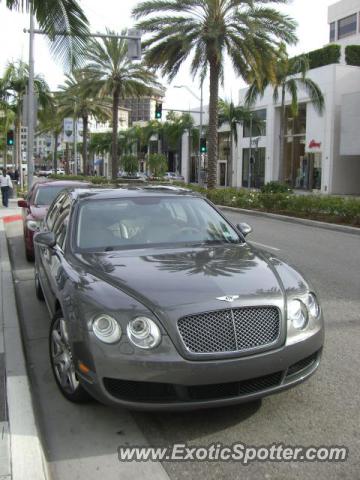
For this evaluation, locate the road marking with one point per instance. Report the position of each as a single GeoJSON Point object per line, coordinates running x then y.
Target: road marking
{"type": "Point", "coordinates": [266, 246]}
{"type": "Point", "coordinates": [12, 218]}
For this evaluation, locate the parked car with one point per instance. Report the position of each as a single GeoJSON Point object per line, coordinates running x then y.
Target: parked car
{"type": "Point", "coordinates": [35, 206]}
{"type": "Point", "coordinates": [174, 176]}
{"type": "Point", "coordinates": [158, 302]}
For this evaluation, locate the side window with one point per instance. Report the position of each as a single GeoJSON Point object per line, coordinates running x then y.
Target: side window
{"type": "Point", "coordinates": [61, 233]}
{"type": "Point", "coordinates": [55, 210]}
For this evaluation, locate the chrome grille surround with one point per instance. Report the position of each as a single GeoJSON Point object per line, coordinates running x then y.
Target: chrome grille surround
{"type": "Point", "coordinates": [231, 330]}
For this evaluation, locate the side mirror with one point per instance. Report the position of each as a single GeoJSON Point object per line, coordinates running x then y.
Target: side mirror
{"type": "Point", "coordinates": [244, 228]}
{"type": "Point", "coordinates": [23, 203]}
{"type": "Point", "coordinates": [45, 239]}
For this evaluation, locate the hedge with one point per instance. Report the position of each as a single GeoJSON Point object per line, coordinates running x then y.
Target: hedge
{"type": "Point", "coordinates": [324, 56]}
{"type": "Point", "coordinates": [273, 198]}
{"type": "Point", "coordinates": [352, 55]}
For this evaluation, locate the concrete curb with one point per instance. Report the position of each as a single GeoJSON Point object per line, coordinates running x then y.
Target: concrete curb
{"type": "Point", "coordinates": [303, 221]}
{"type": "Point", "coordinates": [27, 457]}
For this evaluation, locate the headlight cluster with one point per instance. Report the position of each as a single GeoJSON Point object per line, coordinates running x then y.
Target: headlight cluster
{"type": "Point", "coordinates": [33, 225]}
{"type": "Point", "coordinates": [141, 331]}
{"type": "Point", "coordinates": [299, 311]}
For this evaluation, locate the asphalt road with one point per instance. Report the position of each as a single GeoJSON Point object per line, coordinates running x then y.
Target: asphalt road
{"type": "Point", "coordinates": [81, 441]}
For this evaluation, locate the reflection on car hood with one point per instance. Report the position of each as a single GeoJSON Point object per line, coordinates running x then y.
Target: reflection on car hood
{"type": "Point", "coordinates": [164, 279]}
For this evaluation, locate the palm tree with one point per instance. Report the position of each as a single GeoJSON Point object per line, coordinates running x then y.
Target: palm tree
{"type": "Point", "coordinates": [17, 78]}
{"type": "Point", "coordinates": [59, 16]}
{"type": "Point", "coordinates": [290, 74]}
{"type": "Point", "coordinates": [246, 30]}
{"type": "Point", "coordinates": [51, 121]}
{"type": "Point", "coordinates": [111, 73]}
{"type": "Point", "coordinates": [78, 99]}
{"type": "Point", "coordinates": [233, 116]}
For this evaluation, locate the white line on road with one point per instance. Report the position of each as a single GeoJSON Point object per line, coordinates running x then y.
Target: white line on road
{"type": "Point", "coordinates": [266, 246]}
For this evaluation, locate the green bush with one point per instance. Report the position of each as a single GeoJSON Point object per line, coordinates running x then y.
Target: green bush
{"type": "Point", "coordinates": [352, 55]}
{"type": "Point", "coordinates": [130, 164]}
{"type": "Point", "coordinates": [158, 164]}
{"type": "Point", "coordinates": [324, 56]}
{"type": "Point", "coordinates": [275, 187]}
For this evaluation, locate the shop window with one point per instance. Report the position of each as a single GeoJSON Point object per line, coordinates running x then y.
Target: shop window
{"type": "Point", "coordinates": [332, 32]}
{"type": "Point", "coordinates": [258, 125]}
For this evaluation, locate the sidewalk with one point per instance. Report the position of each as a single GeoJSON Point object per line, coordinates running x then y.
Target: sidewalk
{"type": "Point", "coordinates": [21, 455]}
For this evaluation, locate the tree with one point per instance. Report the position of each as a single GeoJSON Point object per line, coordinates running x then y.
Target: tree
{"type": "Point", "coordinates": [17, 78]}
{"type": "Point", "coordinates": [78, 99]}
{"type": "Point", "coordinates": [290, 74]}
{"type": "Point", "coordinates": [130, 164]}
{"type": "Point", "coordinates": [51, 120]}
{"type": "Point", "coordinates": [158, 164]}
{"type": "Point", "coordinates": [233, 116]}
{"type": "Point", "coordinates": [59, 16]}
{"type": "Point", "coordinates": [246, 30]}
{"type": "Point", "coordinates": [111, 73]}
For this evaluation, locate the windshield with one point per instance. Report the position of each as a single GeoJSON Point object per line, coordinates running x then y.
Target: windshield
{"type": "Point", "coordinates": [149, 221]}
{"type": "Point", "coordinates": [45, 195]}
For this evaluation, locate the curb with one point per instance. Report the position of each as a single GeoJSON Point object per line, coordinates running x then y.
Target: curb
{"type": "Point", "coordinates": [27, 456]}
{"type": "Point", "coordinates": [303, 221]}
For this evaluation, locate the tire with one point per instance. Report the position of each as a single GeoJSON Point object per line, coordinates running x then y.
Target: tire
{"type": "Point", "coordinates": [62, 363]}
{"type": "Point", "coordinates": [29, 256]}
{"type": "Point", "coordinates": [38, 290]}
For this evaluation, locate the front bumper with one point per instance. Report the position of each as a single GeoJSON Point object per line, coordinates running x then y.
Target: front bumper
{"type": "Point", "coordinates": [152, 383]}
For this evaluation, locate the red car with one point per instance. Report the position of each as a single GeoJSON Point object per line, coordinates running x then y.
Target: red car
{"type": "Point", "coordinates": [35, 206]}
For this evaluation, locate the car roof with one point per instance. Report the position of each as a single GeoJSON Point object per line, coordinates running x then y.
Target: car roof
{"type": "Point", "coordinates": [113, 193]}
{"type": "Point", "coordinates": [63, 183]}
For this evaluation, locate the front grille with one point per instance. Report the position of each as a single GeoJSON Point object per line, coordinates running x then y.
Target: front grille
{"type": "Point", "coordinates": [163, 392]}
{"type": "Point", "coordinates": [230, 330]}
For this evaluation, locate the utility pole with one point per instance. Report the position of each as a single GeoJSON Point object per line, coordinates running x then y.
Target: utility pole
{"type": "Point", "coordinates": [30, 137]}
{"type": "Point", "coordinates": [200, 133]}
{"type": "Point", "coordinates": [250, 152]}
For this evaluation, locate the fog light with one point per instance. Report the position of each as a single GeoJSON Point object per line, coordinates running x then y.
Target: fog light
{"type": "Point", "coordinates": [297, 314]}
{"type": "Point", "coordinates": [143, 333]}
{"type": "Point", "coordinates": [106, 329]}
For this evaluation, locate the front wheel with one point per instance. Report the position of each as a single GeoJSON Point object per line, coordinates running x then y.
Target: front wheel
{"type": "Point", "coordinates": [38, 290]}
{"type": "Point", "coordinates": [62, 362]}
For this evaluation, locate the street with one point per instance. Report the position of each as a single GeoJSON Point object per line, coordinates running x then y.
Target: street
{"type": "Point", "coordinates": [81, 441]}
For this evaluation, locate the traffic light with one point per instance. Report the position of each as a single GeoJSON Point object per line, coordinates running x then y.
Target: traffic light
{"type": "Point", "coordinates": [10, 138]}
{"type": "Point", "coordinates": [158, 111]}
{"type": "Point", "coordinates": [203, 148]}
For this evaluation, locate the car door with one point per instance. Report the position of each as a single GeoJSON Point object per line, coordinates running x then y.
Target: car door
{"type": "Point", "coordinates": [49, 260]}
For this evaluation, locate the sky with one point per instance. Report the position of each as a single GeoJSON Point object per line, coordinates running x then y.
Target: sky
{"type": "Point", "coordinates": [311, 16]}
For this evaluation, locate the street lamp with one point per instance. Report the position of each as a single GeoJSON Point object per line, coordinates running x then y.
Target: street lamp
{"type": "Point", "coordinates": [201, 120]}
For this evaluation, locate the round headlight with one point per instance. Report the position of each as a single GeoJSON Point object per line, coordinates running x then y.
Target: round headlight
{"type": "Point", "coordinates": [297, 313]}
{"type": "Point", "coordinates": [143, 333]}
{"type": "Point", "coordinates": [106, 329]}
{"type": "Point", "coordinates": [313, 306]}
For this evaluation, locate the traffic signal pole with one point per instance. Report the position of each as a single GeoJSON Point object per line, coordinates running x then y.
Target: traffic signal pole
{"type": "Point", "coordinates": [30, 120]}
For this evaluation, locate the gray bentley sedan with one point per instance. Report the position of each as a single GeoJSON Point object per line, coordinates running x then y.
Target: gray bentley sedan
{"type": "Point", "coordinates": [158, 302]}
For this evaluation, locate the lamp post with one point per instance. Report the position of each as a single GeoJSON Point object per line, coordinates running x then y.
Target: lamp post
{"type": "Point", "coordinates": [201, 122]}
{"type": "Point", "coordinates": [250, 151]}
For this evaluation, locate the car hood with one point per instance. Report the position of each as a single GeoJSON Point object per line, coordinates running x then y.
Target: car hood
{"type": "Point", "coordinates": [164, 280]}
{"type": "Point", "coordinates": [38, 212]}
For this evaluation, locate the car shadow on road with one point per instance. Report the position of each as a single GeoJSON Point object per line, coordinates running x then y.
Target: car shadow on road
{"type": "Point", "coordinates": [189, 425]}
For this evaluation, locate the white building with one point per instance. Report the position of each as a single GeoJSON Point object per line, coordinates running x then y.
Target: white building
{"type": "Point", "coordinates": [321, 152]}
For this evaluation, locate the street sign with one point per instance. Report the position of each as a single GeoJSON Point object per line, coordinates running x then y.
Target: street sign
{"type": "Point", "coordinates": [134, 44]}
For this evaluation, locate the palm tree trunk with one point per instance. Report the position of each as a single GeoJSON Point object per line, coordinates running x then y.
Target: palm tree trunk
{"type": "Point", "coordinates": [85, 120]}
{"type": "Point", "coordinates": [213, 123]}
{"type": "Point", "coordinates": [231, 160]}
{"type": "Point", "coordinates": [282, 137]}
{"type": "Point", "coordinates": [114, 144]}
{"type": "Point", "coordinates": [56, 136]}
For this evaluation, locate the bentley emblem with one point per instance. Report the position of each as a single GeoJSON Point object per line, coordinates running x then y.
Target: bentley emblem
{"type": "Point", "coordinates": [228, 298]}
